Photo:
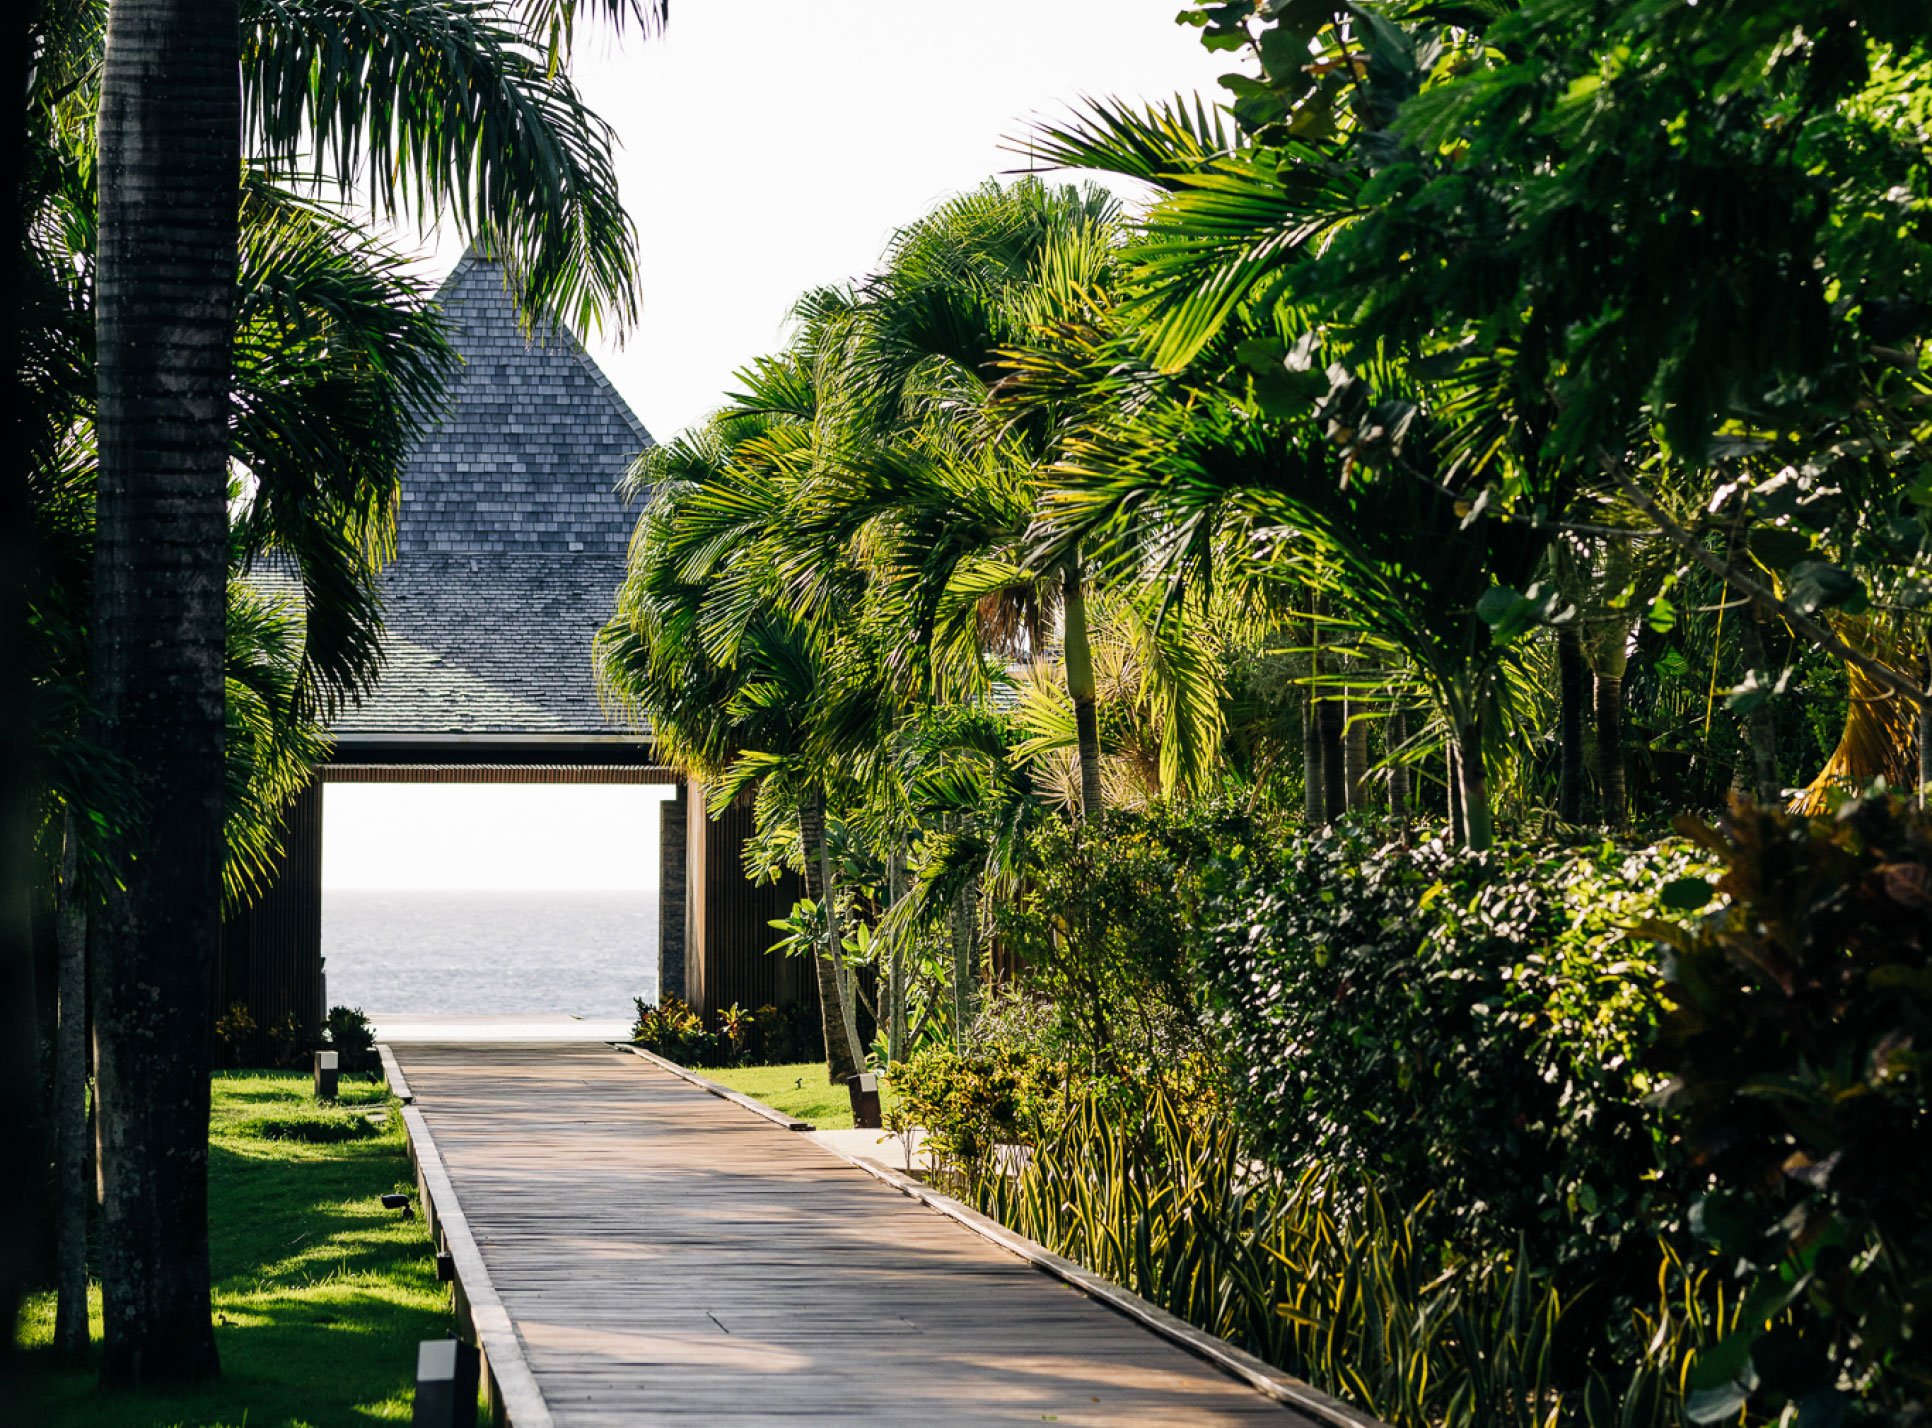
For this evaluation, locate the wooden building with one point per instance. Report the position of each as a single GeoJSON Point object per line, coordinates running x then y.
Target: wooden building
{"type": "Point", "coordinates": [511, 543]}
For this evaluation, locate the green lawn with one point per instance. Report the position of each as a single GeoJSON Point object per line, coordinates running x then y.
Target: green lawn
{"type": "Point", "coordinates": [798, 1090]}
{"type": "Point", "coordinates": [320, 1294]}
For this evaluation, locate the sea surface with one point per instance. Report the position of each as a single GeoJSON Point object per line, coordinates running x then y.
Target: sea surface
{"type": "Point", "coordinates": [482, 953]}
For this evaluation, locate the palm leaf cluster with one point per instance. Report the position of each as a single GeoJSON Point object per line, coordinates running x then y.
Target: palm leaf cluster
{"type": "Point", "coordinates": [1407, 455]}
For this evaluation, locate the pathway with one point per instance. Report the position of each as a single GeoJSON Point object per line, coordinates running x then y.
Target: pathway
{"type": "Point", "coordinates": [668, 1258]}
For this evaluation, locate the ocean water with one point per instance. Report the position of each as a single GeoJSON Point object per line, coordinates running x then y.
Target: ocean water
{"type": "Point", "coordinates": [487, 953]}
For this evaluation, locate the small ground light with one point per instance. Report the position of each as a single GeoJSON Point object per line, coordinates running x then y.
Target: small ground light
{"type": "Point", "coordinates": [446, 1376]}
{"type": "Point", "coordinates": [445, 1266]}
{"type": "Point", "coordinates": [864, 1091]}
{"type": "Point", "coordinates": [399, 1202]}
{"type": "Point", "coordinates": [326, 1063]}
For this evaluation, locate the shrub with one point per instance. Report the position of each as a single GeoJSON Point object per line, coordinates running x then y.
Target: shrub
{"type": "Point", "coordinates": [970, 1103]}
{"type": "Point", "coordinates": [676, 1032]}
{"type": "Point", "coordinates": [1800, 1013]}
{"type": "Point", "coordinates": [234, 1034]}
{"type": "Point", "coordinates": [1448, 1024]}
{"type": "Point", "coordinates": [347, 1031]}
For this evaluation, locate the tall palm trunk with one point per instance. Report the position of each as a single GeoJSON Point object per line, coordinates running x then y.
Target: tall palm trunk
{"type": "Point", "coordinates": [1610, 774]}
{"type": "Point", "coordinates": [965, 964]}
{"type": "Point", "coordinates": [1399, 772]}
{"type": "Point", "coordinates": [1761, 724]}
{"type": "Point", "coordinates": [1355, 756]}
{"type": "Point", "coordinates": [70, 1109]}
{"type": "Point", "coordinates": [1573, 692]}
{"type": "Point", "coordinates": [842, 1058]}
{"type": "Point", "coordinates": [1452, 781]}
{"type": "Point", "coordinates": [1475, 787]}
{"type": "Point", "coordinates": [169, 131]}
{"type": "Point", "coordinates": [1925, 726]}
{"type": "Point", "coordinates": [1332, 722]}
{"type": "Point", "coordinates": [1474, 781]}
{"type": "Point", "coordinates": [1314, 797]}
{"type": "Point", "coordinates": [1081, 688]}
{"type": "Point", "coordinates": [896, 975]}
{"type": "Point", "coordinates": [19, 1061]}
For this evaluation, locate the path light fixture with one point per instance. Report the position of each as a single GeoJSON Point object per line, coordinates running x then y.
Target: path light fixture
{"type": "Point", "coordinates": [446, 1377]}
{"type": "Point", "coordinates": [326, 1063]}
{"type": "Point", "coordinates": [864, 1091]}
{"type": "Point", "coordinates": [399, 1202]}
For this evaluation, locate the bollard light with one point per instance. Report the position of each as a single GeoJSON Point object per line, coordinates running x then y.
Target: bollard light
{"type": "Point", "coordinates": [445, 1266]}
{"type": "Point", "coordinates": [325, 1075]}
{"type": "Point", "coordinates": [864, 1091]}
{"type": "Point", "coordinates": [446, 1376]}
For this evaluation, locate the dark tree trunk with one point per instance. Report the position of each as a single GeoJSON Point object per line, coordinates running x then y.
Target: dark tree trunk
{"type": "Point", "coordinates": [1610, 750]}
{"type": "Point", "coordinates": [1573, 688]}
{"type": "Point", "coordinates": [1475, 786]}
{"type": "Point", "coordinates": [1399, 772]}
{"type": "Point", "coordinates": [1925, 725]}
{"type": "Point", "coordinates": [841, 1043]}
{"type": "Point", "coordinates": [895, 1017]}
{"type": "Point", "coordinates": [1081, 689]}
{"type": "Point", "coordinates": [1331, 720]}
{"type": "Point", "coordinates": [1761, 723]}
{"type": "Point", "coordinates": [70, 1111]}
{"type": "Point", "coordinates": [169, 134]}
{"type": "Point", "coordinates": [1355, 757]}
{"type": "Point", "coordinates": [22, 1178]}
{"type": "Point", "coordinates": [965, 964]}
{"type": "Point", "coordinates": [1313, 785]}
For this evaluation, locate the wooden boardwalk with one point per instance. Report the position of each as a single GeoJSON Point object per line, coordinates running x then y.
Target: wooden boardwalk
{"type": "Point", "coordinates": [669, 1258]}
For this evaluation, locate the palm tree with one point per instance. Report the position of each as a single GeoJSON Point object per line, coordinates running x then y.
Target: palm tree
{"type": "Point", "coordinates": [709, 645]}
{"type": "Point", "coordinates": [984, 273]}
{"type": "Point", "coordinates": [505, 147]}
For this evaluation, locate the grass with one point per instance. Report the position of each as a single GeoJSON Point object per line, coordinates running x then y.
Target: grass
{"type": "Point", "coordinates": [320, 1294]}
{"type": "Point", "coordinates": [797, 1089]}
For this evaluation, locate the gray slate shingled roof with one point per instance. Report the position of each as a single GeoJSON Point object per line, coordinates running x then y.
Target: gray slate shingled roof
{"type": "Point", "coordinates": [511, 540]}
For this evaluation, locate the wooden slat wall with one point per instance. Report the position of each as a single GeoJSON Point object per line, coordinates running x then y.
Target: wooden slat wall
{"type": "Point", "coordinates": [271, 954]}
{"type": "Point", "coordinates": [730, 920]}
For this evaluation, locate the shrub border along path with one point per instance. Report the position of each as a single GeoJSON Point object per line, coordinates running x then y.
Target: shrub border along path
{"type": "Point", "coordinates": [1258, 1374]}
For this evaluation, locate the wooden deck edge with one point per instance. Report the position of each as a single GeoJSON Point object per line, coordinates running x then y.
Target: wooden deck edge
{"type": "Point", "coordinates": [1256, 1373]}
{"type": "Point", "coordinates": [1239, 1363]}
{"type": "Point", "coordinates": [723, 1093]}
{"type": "Point", "coordinates": [392, 1072]}
{"type": "Point", "coordinates": [514, 1398]}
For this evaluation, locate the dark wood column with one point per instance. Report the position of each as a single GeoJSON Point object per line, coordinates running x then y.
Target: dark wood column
{"type": "Point", "coordinates": [271, 954]}
{"type": "Point", "coordinates": [673, 893]}
{"type": "Point", "coordinates": [730, 919]}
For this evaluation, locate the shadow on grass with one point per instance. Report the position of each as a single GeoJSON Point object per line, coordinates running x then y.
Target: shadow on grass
{"type": "Point", "coordinates": [321, 1295]}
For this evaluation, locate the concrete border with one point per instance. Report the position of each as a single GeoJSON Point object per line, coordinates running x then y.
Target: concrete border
{"type": "Point", "coordinates": [510, 1389]}
{"type": "Point", "coordinates": [1259, 1375]}
{"type": "Point", "coordinates": [392, 1072]}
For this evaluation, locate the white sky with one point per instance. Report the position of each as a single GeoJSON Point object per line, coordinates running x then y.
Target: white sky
{"type": "Point", "coordinates": [769, 146]}
{"type": "Point", "coordinates": [490, 837]}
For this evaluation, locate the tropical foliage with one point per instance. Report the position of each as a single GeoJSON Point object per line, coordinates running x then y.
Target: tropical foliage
{"type": "Point", "coordinates": [1226, 667]}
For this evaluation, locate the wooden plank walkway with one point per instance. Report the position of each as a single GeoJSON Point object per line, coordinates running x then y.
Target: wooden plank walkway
{"type": "Point", "coordinates": [668, 1258]}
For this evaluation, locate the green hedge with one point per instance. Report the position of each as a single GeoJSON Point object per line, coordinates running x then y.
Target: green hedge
{"type": "Point", "coordinates": [1467, 1026]}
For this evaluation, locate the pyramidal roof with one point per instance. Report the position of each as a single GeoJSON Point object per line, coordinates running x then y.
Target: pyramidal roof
{"type": "Point", "coordinates": [512, 537]}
